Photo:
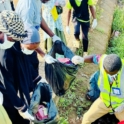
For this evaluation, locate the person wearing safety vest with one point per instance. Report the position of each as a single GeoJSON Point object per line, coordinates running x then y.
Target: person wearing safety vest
{"type": "Point", "coordinates": [81, 19]}
{"type": "Point", "coordinates": [111, 85]}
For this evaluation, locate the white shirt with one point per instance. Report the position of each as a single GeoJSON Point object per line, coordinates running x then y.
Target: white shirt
{"type": "Point", "coordinates": [5, 5]}
{"type": "Point", "coordinates": [30, 11]}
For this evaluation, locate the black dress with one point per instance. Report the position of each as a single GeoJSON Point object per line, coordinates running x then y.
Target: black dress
{"type": "Point", "coordinates": [17, 73]}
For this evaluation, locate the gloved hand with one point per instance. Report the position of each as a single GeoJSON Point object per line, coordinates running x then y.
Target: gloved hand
{"type": "Point", "coordinates": [120, 108]}
{"type": "Point", "coordinates": [49, 59]}
{"type": "Point", "coordinates": [26, 115]}
{"type": "Point", "coordinates": [1, 98]}
{"type": "Point", "coordinates": [55, 38]}
{"type": "Point", "coordinates": [67, 29]}
{"type": "Point", "coordinates": [94, 23]}
{"type": "Point", "coordinates": [77, 60]}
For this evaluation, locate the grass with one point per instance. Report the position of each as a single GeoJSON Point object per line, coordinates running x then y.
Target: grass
{"type": "Point", "coordinates": [118, 21]}
{"type": "Point", "coordinates": [73, 101]}
{"type": "Point", "coordinates": [100, 30]}
{"type": "Point", "coordinates": [121, 1]}
{"type": "Point", "coordinates": [116, 44]}
{"type": "Point", "coordinates": [98, 12]}
{"type": "Point", "coordinates": [63, 121]}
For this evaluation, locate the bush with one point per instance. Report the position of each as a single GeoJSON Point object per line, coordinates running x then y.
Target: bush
{"type": "Point", "coordinates": [117, 46]}
{"type": "Point", "coordinates": [118, 21]}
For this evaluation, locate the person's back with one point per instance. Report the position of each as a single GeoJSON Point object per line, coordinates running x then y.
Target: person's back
{"type": "Point", "coordinates": [81, 9]}
{"type": "Point", "coordinates": [5, 5]}
{"type": "Point", "coordinates": [30, 11]}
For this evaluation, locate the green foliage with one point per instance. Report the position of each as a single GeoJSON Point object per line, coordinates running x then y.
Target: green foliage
{"type": "Point", "coordinates": [121, 1]}
{"type": "Point", "coordinates": [118, 21]}
{"type": "Point", "coordinates": [117, 46]}
{"type": "Point", "coordinates": [73, 101]}
{"type": "Point", "coordinates": [63, 121]}
{"type": "Point", "coordinates": [79, 51]}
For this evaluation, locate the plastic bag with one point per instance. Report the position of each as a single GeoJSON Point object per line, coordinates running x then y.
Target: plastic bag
{"type": "Point", "coordinates": [43, 93]}
{"type": "Point", "coordinates": [93, 92]}
{"type": "Point", "coordinates": [60, 75]}
{"type": "Point", "coordinates": [106, 119]}
{"type": "Point", "coordinates": [121, 122]}
{"type": "Point", "coordinates": [59, 10]}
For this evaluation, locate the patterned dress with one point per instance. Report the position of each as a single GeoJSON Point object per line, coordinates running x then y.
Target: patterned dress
{"type": "Point", "coordinates": [55, 26]}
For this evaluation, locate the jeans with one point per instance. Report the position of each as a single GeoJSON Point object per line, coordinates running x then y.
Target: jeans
{"type": "Point", "coordinates": [85, 29]}
{"type": "Point", "coordinates": [94, 91]}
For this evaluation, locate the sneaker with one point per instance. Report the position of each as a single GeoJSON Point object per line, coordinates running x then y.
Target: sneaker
{"type": "Point", "coordinates": [85, 54]}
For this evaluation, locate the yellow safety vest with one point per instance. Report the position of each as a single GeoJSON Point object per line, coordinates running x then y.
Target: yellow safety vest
{"type": "Point", "coordinates": [109, 98]}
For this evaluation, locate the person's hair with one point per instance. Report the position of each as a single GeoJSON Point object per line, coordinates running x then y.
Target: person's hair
{"type": "Point", "coordinates": [112, 63]}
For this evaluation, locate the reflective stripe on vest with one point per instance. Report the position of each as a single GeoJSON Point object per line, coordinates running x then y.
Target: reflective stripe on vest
{"type": "Point", "coordinates": [106, 94]}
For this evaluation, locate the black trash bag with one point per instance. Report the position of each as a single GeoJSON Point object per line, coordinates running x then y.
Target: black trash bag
{"type": "Point", "coordinates": [60, 75]}
{"type": "Point", "coordinates": [42, 95]}
{"type": "Point", "coordinates": [107, 119]}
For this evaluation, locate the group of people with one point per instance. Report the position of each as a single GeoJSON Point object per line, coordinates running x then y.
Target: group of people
{"type": "Point", "coordinates": [18, 60]}
{"type": "Point", "coordinates": [19, 45]}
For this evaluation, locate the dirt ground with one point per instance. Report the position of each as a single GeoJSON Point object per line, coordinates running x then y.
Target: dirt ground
{"type": "Point", "coordinates": [98, 42]}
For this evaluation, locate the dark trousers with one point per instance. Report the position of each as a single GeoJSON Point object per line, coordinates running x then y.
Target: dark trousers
{"type": "Point", "coordinates": [12, 112]}
{"type": "Point", "coordinates": [84, 30]}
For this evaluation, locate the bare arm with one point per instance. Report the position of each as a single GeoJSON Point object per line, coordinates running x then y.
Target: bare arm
{"type": "Point", "coordinates": [88, 59]}
{"type": "Point", "coordinates": [40, 52]}
{"type": "Point", "coordinates": [93, 12]}
{"type": "Point", "coordinates": [68, 17]}
{"type": "Point", "coordinates": [45, 27]}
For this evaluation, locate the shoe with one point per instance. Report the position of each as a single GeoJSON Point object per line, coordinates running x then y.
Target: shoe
{"type": "Point", "coordinates": [85, 54]}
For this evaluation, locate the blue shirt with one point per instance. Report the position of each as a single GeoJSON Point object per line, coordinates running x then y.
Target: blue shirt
{"type": "Point", "coordinates": [30, 12]}
{"type": "Point", "coordinates": [33, 36]}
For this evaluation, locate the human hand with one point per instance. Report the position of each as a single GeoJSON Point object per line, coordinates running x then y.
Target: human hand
{"type": "Point", "coordinates": [26, 115]}
{"type": "Point", "coordinates": [77, 60]}
{"type": "Point", "coordinates": [55, 38]}
{"type": "Point", "coordinates": [94, 23]}
{"type": "Point", "coordinates": [67, 29]}
{"type": "Point", "coordinates": [49, 59]}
